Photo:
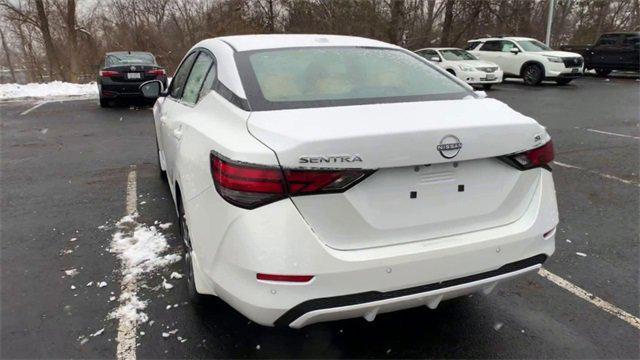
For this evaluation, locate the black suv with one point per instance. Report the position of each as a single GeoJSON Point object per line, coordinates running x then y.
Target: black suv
{"type": "Point", "coordinates": [122, 73]}
{"type": "Point", "coordinates": [612, 51]}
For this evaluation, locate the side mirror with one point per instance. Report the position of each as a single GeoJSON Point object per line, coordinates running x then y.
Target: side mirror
{"type": "Point", "coordinates": [514, 51]}
{"type": "Point", "coordinates": [435, 59]}
{"type": "Point", "coordinates": [152, 89]}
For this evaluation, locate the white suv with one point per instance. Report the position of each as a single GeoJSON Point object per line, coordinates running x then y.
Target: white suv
{"type": "Point", "coordinates": [528, 59]}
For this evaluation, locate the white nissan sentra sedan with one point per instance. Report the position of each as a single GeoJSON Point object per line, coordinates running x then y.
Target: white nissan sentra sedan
{"type": "Point", "coordinates": [328, 177]}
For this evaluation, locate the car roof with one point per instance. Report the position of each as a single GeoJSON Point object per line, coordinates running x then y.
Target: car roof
{"type": "Point", "coordinates": [278, 41]}
{"type": "Point", "coordinates": [441, 48]}
{"type": "Point", "coordinates": [128, 52]}
{"type": "Point", "coordinates": [516, 38]}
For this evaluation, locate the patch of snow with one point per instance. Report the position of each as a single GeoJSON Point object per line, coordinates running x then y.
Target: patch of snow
{"type": "Point", "coordinates": [498, 326]}
{"type": "Point", "coordinates": [165, 226]}
{"type": "Point", "coordinates": [44, 131]}
{"type": "Point", "coordinates": [175, 275]}
{"type": "Point", "coordinates": [166, 285]}
{"type": "Point", "coordinates": [71, 272]}
{"type": "Point", "coordinates": [73, 239]}
{"type": "Point", "coordinates": [569, 241]}
{"type": "Point", "coordinates": [73, 287]}
{"type": "Point", "coordinates": [102, 284]}
{"type": "Point", "coordinates": [97, 333]}
{"type": "Point", "coordinates": [111, 298]}
{"type": "Point", "coordinates": [581, 254]}
{"type": "Point", "coordinates": [83, 340]}
{"type": "Point", "coordinates": [90, 284]}
{"type": "Point", "coordinates": [47, 90]}
{"type": "Point", "coordinates": [140, 249]}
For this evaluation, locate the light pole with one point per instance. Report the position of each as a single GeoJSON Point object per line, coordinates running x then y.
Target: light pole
{"type": "Point", "coordinates": [549, 22]}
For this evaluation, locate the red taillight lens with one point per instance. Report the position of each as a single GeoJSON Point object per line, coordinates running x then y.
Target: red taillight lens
{"type": "Point", "coordinates": [537, 157]}
{"type": "Point", "coordinates": [250, 186]}
{"type": "Point", "coordinates": [284, 278]}
{"type": "Point", "coordinates": [156, 72]}
{"type": "Point", "coordinates": [109, 73]}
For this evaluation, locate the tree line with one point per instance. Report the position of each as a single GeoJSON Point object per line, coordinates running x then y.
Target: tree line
{"type": "Point", "coordinates": [67, 39]}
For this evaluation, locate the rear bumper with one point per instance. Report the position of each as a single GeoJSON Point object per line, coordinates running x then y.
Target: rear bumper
{"type": "Point", "coordinates": [369, 304]}
{"type": "Point", "coordinates": [108, 88]}
{"type": "Point", "coordinates": [275, 239]}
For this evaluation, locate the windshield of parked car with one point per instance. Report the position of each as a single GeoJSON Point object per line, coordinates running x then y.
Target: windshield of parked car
{"type": "Point", "coordinates": [334, 76]}
{"type": "Point", "coordinates": [533, 45]}
{"type": "Point", "coordinates": [456, 55]}
{"type": "Point", "coordinates": [130, 59]}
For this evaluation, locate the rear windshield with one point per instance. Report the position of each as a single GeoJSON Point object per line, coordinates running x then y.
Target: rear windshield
{"type": "Point", "coordinates": [130, 59]}
{"type": "Point", "coordinates": [335, 76]}
{"type": "Point", "coordinates": [456, 54]}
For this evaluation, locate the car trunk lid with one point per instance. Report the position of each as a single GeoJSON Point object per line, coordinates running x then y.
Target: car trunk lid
{"type": "Point", "coordinates": [426, 186]}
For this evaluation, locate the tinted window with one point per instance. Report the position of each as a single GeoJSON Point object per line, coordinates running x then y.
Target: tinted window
{"type": "Point", "coordinates": [493, 45]}
{"type": "Point", "coordinates": [130, 59]}
{"type": "Point", "coordinates": [179, 79]}
{"type": "Point", "coordinates": [208, 81]}
{"type": "Point", "coordinates": [456, 54]}
{"type": "Point", "coordinates": [609, 39]}
{"type": "Point", "coordinates": [333, 76]}
{"type": "Point", "coordinates": [472, 45]}
{"type": "Point", "coordinates": [631, 40]}
{"type": "Point", "coordinates": [506, 46]}
{"type": "Point", "coordinates": [196, 78]}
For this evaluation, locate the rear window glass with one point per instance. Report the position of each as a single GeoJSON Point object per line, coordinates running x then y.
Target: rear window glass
{"type": "Point", "coordinates": [130, 59]}
{"type": "Point", "coordinates": [333, 76]}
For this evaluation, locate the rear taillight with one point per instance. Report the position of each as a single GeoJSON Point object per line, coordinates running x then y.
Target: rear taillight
{"type": "Point", "coordinates": [156, 72]}
{"type": "Point", "coordinates": [540, 156]}
{"type": "Point", "coordinates": [249, 186]}
{"type": "Point", "coordinates": [109, 73]}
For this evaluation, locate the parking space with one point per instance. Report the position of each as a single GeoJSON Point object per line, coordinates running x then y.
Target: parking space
{"type": "Point", "coordinates": [65, 167]}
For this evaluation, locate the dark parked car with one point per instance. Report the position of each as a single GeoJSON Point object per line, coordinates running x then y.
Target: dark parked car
{"type": "Point", "coordinates": [612, 51]}
{"type": "Point", "coordinates": [122, 73]}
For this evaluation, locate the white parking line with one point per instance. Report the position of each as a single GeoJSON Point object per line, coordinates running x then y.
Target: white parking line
{"type": "Point", "coordinates": [34, 107]}
{"type": "Point", "coordinates": [585, 295]}
{"type": "Point", "coordinates": [606, 176]}
{"type": "Point", "coordinates": [127, 328]}
{"type": "Point", "coordinates": [613, 134]}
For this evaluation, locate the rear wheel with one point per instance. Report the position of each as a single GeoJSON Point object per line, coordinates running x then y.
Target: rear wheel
{"type": "Point", "coordinates": [486, 86]}
{"type": "Point", "coordinates": [532, 75]}
{"type": "Point", "coordinates": [193, 294]}
{"type": "Point", "coordinates": [603, 72]}
{"type": "Point", "coordinates": [563, 81]}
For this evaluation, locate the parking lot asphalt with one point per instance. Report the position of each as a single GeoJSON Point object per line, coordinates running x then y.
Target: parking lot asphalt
{"type": "Point", "coordinates": [64, 171]}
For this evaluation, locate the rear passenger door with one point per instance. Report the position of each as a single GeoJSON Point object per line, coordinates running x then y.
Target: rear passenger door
{"type": "Point", "coordinates": [186, 113]}
{"type": "Point", "coordinates": [630, 50]}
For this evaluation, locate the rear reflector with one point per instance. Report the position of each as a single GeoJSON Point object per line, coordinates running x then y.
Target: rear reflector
{"type": "Point", "coordinates": [156, 72]}
{"type": "Point", "coordinates": [109, 73]}
{"type": "Point", "coordinates": [249, 186]}
{"type": "Point", "coordinates": [540, 156]}
{"type": "Point", "coordinates": [285, 278]}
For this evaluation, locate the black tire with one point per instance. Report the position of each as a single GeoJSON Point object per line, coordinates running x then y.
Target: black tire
{"type": "Point", "coordinates": [161, 173]}
{"type": "Point", "coordinates": [603, 72]}
{"type": "Point", "coordinates": [194, 296]}
{"type": "Point", "coordinates": [563, 81]}
{"type": "Point", "coordinates": [487, 86]}
{"type": "Point", "coordinates": [532, 74]}
{"type": "Point", "coordinates": [104, 103]}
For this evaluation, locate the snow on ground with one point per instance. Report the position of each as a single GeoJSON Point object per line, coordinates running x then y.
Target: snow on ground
{"type": "Point", "coordinates": [47, 90]}
{"type": "Point", "coordinates": [141, 249]}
